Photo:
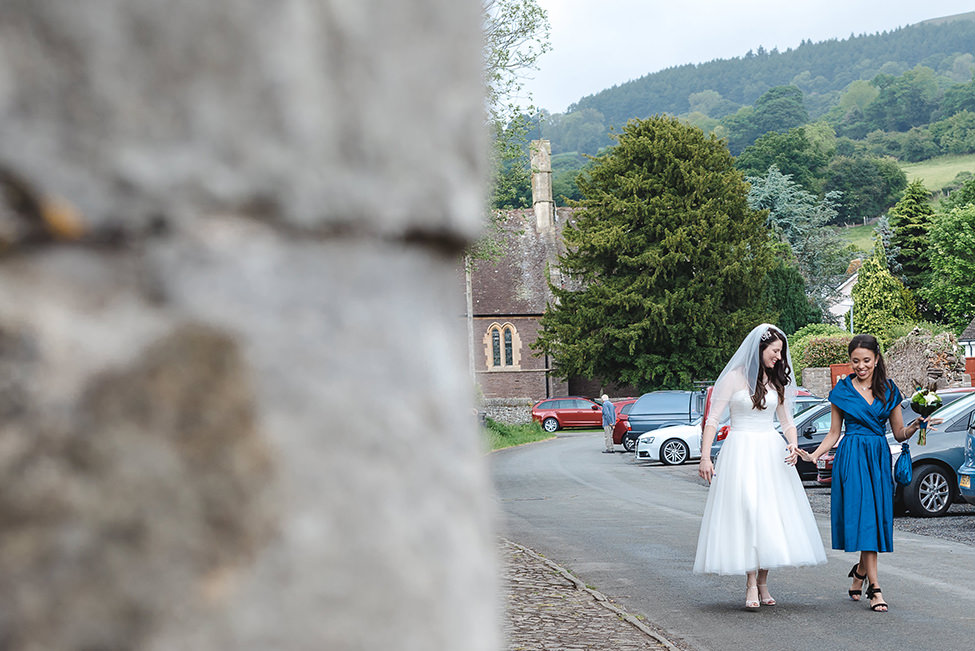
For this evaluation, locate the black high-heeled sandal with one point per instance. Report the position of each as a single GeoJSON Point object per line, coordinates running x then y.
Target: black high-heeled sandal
{"type": "Point", "coordinates": [871, 593]}
{"type": "Point", "coordinates": [855, 594]}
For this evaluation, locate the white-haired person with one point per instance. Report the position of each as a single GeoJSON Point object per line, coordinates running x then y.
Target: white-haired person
{"type": "Point", "coordinates": [609, 423]}
{"type": "Point", "coordinates": [757, 516]}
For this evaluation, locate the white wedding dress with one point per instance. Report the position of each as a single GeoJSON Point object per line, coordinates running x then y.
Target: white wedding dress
{"type": "Point", "coordinates": [757, 514]}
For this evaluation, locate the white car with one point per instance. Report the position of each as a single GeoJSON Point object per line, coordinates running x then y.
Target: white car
{"type": "Point", "coordinates": [671, 445]}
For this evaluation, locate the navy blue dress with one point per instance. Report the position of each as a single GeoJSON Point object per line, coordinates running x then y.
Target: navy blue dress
{"type": "Point", "coordinates": [862, 506]}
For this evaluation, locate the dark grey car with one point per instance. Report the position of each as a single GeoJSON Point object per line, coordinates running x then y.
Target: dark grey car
{"type": "Point", "coordinates": [934, 484]}
{"type": "Point", "coordinates": [660, 409]}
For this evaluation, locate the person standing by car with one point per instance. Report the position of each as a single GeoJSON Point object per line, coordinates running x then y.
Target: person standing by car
{"type": "Point", "coordinates": [862, 499]}
{"type": "Point", "coordinates": [757, 516]}
{"type": "Point", "coordinates": [609, 423]}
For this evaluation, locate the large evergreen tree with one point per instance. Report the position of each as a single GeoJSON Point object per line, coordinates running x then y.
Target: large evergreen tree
{"type": "Point", "coordinates": [910, 221]}
{"type": "Point", "coordinates": [665, 264]}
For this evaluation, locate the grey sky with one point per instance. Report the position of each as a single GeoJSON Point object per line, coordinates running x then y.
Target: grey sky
{"type": "Point", "coordinates": [599, 43]}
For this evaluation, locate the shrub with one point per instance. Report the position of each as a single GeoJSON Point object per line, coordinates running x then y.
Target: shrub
{"type": "Point", "coordinates": [799, 341]}
{"type": "Point", "coordinates": [821, 351]}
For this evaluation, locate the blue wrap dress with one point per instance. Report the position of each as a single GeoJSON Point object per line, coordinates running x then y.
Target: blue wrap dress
{"type": "Point", "coordinates": [862, 501]}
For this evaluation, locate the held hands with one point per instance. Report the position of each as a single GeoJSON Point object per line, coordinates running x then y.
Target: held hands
{"type": "Point", "coordinates": [806, 456]}
{"type": "Point", "coordinates": [705, 469]}
{"type": "Point", "coordinates": [793, 452]}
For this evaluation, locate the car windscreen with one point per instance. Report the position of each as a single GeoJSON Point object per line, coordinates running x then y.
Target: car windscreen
{"type": "Point", "coordinates": [662, 403]}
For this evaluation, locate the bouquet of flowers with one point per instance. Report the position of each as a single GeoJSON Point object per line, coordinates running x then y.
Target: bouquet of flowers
{"type": "Point", "coordinates": [925, 402]}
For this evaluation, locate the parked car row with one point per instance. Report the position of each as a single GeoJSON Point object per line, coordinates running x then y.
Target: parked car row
{"type": "Point", "coordinates": [665, 426]}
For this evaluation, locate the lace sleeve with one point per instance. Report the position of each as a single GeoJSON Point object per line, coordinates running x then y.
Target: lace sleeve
{"type": "Point", "coordinates": [721, 397]}
{"type": "Point", "coordinates": [784, 412]}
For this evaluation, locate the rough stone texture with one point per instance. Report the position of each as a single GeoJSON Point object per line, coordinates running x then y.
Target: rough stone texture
{"type": "Point", "coordinates": [545, 611]}
{"type": "Point", "coordinates": [517, 283]}
{"type": "Point", "coordinates": [282, 110]}
{"type": "Point", "coordinates": [246, 430]}
{"type": "Point", "coordinates": [920, 358]}
{"type": "Point", "coordinates": [817, 381]}
{"type": "Point", "coordinates": [512, 411]}
{"type": "Point", "coordinates": [136, 483]}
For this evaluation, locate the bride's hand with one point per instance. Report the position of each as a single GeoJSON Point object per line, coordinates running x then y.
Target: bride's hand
{"type": "Point", "coordinates": [793, 452]}
{"type": "Point", "coordinates": [705, 469]}
{"type": "Point", "coordinates": [806, 456]}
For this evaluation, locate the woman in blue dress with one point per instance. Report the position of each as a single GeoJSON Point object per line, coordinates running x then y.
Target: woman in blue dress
{"type": "Point", "coordinates": [862, 508]}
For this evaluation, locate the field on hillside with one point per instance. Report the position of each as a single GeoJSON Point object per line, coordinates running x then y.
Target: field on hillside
{"type": "Point", "coordinates": [859, 236]}
{"type": "Point", "coordinates": [939, 172]}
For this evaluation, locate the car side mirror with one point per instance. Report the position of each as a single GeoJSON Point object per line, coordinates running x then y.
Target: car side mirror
{"type": "Point", "coordinates": [971, 421]}
{"type": "Point", "coordinates": [595, 407]}
{"type": "Point", "coordinates": [808, 432]}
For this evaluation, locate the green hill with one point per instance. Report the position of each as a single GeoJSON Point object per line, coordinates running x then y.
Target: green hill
{"type": "Point", "coordinates": [818, 69]}
{"type": "Point", "coordinates": [889, 82]}
{"type": "Point", "coordinates": [936, 173]}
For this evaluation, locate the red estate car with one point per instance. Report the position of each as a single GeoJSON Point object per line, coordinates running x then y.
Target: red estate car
{"type": "Point", "coordinates": [569, 411]}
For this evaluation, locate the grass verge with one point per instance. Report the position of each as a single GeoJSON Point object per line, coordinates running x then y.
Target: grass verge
{"type": "Point", "coordinates": [501, 435]}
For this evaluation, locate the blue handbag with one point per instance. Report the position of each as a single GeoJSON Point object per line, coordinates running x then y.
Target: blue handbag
{"type": "Point", "coordinates": [902, 469]}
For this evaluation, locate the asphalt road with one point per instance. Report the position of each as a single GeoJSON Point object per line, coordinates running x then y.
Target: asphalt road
{"type": "Point", "coordinates": [630, 529]}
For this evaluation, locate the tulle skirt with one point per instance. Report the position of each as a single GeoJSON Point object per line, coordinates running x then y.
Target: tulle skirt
{"type": "Point", "coordinates": [757, 514]}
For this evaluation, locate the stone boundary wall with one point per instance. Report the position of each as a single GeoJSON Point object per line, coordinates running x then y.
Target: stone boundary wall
{"type": "Point", "coordinates": [511, 411]}
{"type": "Point", "coordinates": [816, 381]}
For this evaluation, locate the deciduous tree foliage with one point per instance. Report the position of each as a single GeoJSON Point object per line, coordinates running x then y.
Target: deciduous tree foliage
{"type": "Point", "coordinates": [869, 186]}
{"type": "Point", "coordinates": [963, 196]}
{"type": "Point", "coordinates": [665, 264]}
{"type": "Point", "coordinates": [951, 289]}
{"type": "Point", "coordinates": [791, 152]}
{"type": "Point", "coordinates": [515, 35]}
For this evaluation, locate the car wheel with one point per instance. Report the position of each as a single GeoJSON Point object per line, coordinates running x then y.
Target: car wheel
{"type": "Point", "coordinates": [550, 425]}
{"type": "Point", "coordinates": [674, 452]}
{"type": "Point", "coordinates": [929, 493]}
{"type": "Point", "coordinates": [629, 442]}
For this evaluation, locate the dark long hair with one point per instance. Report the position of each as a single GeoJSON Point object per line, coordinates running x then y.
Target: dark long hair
{"type": "Point", "coordinates": [879, 383]}
{"type": "Point", "coordinates": [779, 375]}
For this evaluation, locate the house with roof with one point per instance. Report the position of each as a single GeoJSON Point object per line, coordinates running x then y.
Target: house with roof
{"type": "Point", "coordinates": [507, 298]}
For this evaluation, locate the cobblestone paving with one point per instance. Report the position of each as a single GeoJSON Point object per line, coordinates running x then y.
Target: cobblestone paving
{"type": "Point", "coordinates": [546, 611]}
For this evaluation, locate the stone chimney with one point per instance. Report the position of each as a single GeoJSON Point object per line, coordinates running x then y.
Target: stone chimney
{"type": "Point", "coordinates": [542, 202]}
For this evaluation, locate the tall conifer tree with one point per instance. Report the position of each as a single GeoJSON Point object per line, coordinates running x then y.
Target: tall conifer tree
{"type": "Point", "coordinates": [665, 264]}
{"type": "Point", "coordinates": [910, 221]}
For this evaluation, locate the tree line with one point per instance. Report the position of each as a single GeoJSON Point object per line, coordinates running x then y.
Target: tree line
{"type": "Point", "coordinates": [675, 255]}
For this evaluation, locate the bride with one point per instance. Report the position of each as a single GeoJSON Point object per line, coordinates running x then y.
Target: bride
{"type": "Point", "coordinates": [757, 516]}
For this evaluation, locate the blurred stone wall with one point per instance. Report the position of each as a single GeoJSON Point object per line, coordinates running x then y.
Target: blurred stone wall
{"type": "Point", "coordinates": [513, 411]}
{"type": "Point", "coordinates": [234, 403]}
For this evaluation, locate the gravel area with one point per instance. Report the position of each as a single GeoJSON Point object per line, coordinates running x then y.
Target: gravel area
{"type": "Point", "coordinates": [957, 526]}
